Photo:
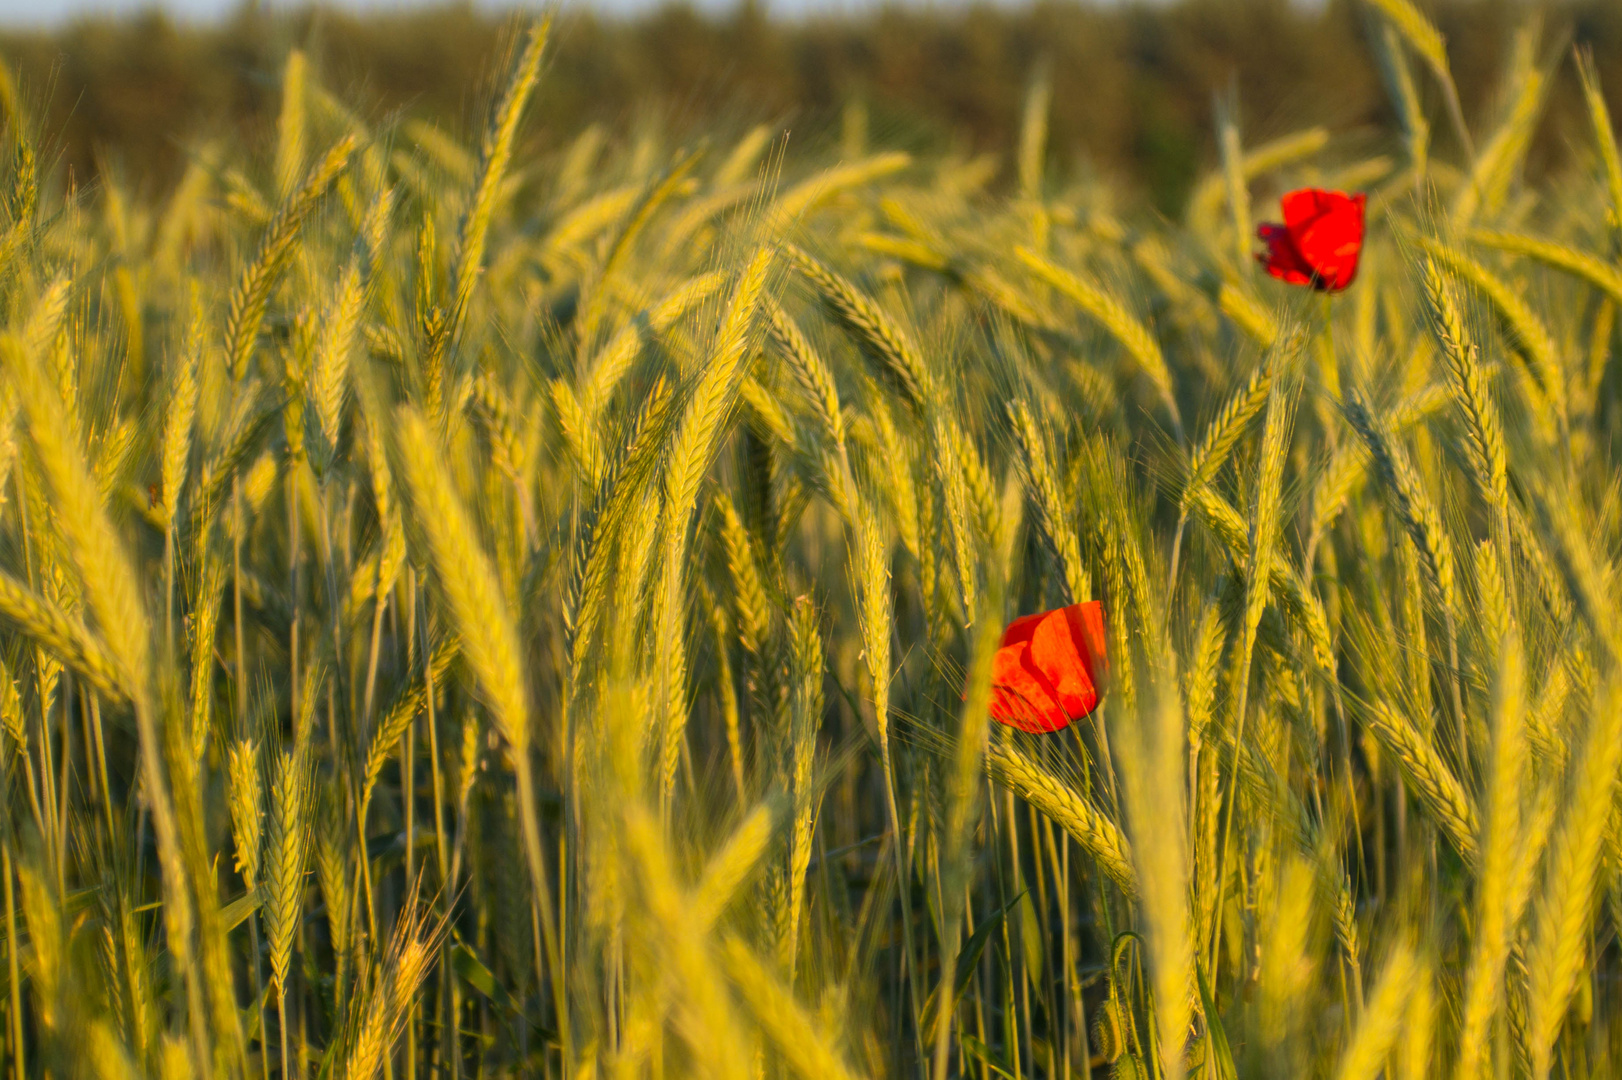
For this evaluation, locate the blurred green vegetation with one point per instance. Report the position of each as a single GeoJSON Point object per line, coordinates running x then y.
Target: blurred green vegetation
{"type": "Point", "coordinates": [1134, 85]}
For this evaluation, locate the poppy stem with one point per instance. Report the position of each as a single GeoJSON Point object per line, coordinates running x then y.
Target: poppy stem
{"type": "Point", "coordinates": [1329, 360]}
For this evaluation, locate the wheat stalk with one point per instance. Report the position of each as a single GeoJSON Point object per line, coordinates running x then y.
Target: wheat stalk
{"type": "Point", "coordinates": [489, 641]}
{"type": "Point", "coordinates": [406, 708]}
{"type": "Point", "coordinates": [1498, 910]}
{"type": "Point", "coordinates": [64, 636]}
{"type": "Point", "coordinates": [276, 250]}
{"type": "Point", "coordinates": [1433, 782]}
{"type": "Point", "coordinates": [1495, 166]}
{"type": "Point", "coordinates": [1421, 35]}
{"type": "Point", "coordinates": [1413, 506]}
{"type": "Point", "coordinates": [1563, 911]}
{"type": "Point", "coordinates": [1526, 329]}
{"type": "Point", "coordinates": [1387, 43]}
{"type": "Point", "coordinates": [1469, 383]}
{"type": "Point", "coordinates": [1564, 257]}
{"type": "Point", "coordinates": [881, 336]}
{"type": "Point", "coordinates": [1383, 1019]}
{"type": "Point", "coordinates": [805, 721]}
{"type": "Point", "coordinates": [795, 1033]}
{"type": "Point", "coordinates": [1098, 836]}
{"type": "Point", "coordinates": [1035, 463]}
{"type": "Point", "coordinates": [1604, 135]}
{"type": "Point", "coordinates": [340, 329]}
{"type": "Point", "coordinates": [287, 843]}
{"type": "Point", "coordinates": [1139, 343]}
{"type": "Point", "coordinates": [493, 159]}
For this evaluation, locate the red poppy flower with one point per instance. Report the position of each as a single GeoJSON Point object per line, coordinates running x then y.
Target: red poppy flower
{"type": "Point", "coordinates": [1319, 242]}
{"type": "Point", "coordinates": [1050, 668]}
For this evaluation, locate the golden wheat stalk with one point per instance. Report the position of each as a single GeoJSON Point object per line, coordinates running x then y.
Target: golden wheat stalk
{"type": "Point", "coordinates": [1412, 504]}
{"type": "Point", "coordinates": [792, 1029]}
{"type": "Point", "coordinates": [1526, 330]}
{"type": "Point", "coordinates": [1227, 428]}
{"type": "Point", "coordinates": [287, 843]}
{"type": "Point", "coordinates": [1421, 35]}
{"type": "Point", "coordinates": [177, 430]}
{"type": "Point", "coordinates": [1596, 271]}
{"type": "Point", "coordinates": [1122, 325]}
{"type": "Point", "coordinates": [1384, 1018]}
{"type": "Point", "coordinates": [462, 570]}
{"type": "Point", "coordinates": [1036, 467]}
{"type": "Point", "coordinates": [1562, 913]}
{"type": "Point", "coordinates": [1498, 910]}
{"type": "Point", "coordinates": [1433, 782]}
{"type": "Point", "coordinates": [499, 137]}
{"type": "Point", "coordinates": [880, 335]}
{"type": "Point", "coordinates": [340, 329]}
{"type": "Point", "coordinates": [1485, 432]}
{"type": "Point", "coordinates": [277, 248]}
{"type": "Point", "coordinates": [488, 640]}
{"type": "Point", "coordinates": [1495, 167]}
{"type": "Point", "coordinates": [1097, 835]}
{"type": "Point", "coordinates": [64, 637]}
{"type": "Point", "coordinates": [1604, 134]}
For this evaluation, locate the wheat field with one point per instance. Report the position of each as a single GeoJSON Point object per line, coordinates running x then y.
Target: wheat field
{"type": "Point", "coordinates": [474, 613]}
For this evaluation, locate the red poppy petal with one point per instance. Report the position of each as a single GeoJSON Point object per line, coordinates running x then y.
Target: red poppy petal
{"type": "Point", "coordinates": [1021, 629]}
{"type": "Point", "coordinates": [1021, 696]}
{"type": "Point", "coordinates": [1303, 207]}
{"type": "Point", "coordinates": [1059, 653]}
{"type": "Point", "coordinates": [1087, 626]}
{"type": "Point", "coordinates": [1282, 260]}
{"type": "Point", "coordinates": [1332, 242]}
{"type": "Point", "coordinates": [1300, 207]}
{"type": "Point", "coordinates": [1326, 231]}
{"type": "Point", "coordinates": [1010, 709]}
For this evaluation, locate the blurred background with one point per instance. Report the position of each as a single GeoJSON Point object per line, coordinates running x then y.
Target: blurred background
{"type": "Point", "coordinates": [1134, 85]}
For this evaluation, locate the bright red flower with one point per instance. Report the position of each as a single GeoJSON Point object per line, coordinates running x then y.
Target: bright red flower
{"type": "Point", "coordinates": [1050, 668]}
{"type": "Point", "coordinates": [1319, 242]}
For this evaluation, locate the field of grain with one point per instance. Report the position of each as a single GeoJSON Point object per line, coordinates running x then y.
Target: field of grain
{"type": "Point", "coordinates": [467, 614]}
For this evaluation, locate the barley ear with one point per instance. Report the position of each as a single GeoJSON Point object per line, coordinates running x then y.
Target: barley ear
{"type": "Point", "coordinates": [497, 152]}
{"type": "Point", "coordinates": [1382, 1021]}
{"type": "Point", "coordinates": [1498, 908]}
{"type": "Point", "coordinates": [1098, 836]}
{"type": "Point", "coordinates": [276, 250]}
{"type": "Point", "coordinates": [1604, 135]}
{"type": "Point", "coordinates": [466, 578]}
{"type": "Point", "coordinates": [287, 844]}
{"type": "Point", "coordinates": [1485, 435]}
{"type": "Point", "coordinates": [1121, 324]}
{"type": "Point", "coordinates": [177, 430]}
{"type": "Point", "coordinates": [290, 124]}
{"type": "Point", "coordinates": [1562, 914]}
{"type": "Point", "coordinates": [245, 787]}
